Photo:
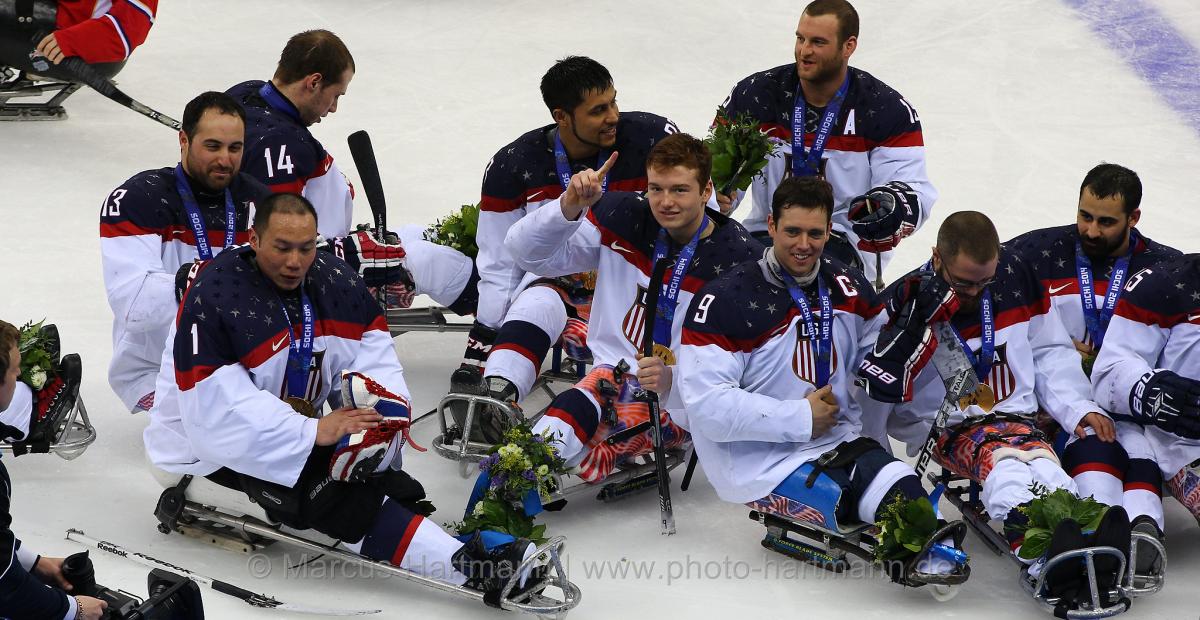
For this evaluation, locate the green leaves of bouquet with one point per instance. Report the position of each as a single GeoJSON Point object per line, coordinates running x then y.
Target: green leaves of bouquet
{"type": "Point", "coordinates": [36, 363]}
{"type": "Point", "coordinates": [739, 151]}
{"type": "Point", "coordinates": [522, 462]}
{"type": "Point", "coordinates": [904, 529]}
{"type": "Point", "coordinates": [1046, 511]}
{"type": "Point", "coordinates": [457, 230]}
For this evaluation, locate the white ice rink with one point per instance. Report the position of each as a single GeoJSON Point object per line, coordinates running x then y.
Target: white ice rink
{"type": "Point", "coordinates": [1018, 99]}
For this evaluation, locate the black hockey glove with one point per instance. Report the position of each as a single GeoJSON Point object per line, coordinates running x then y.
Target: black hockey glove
{"type": "Point", "coordinates": [183, 278]}
{"type": "Point", "coordinates": [906, 344]}
{"type": "Point", "coordinates": [884, 216]}
{"type": "Point", "coordinates": [1168, 401]}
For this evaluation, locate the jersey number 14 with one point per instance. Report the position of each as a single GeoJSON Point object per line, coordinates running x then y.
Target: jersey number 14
{"type": "Point", "coordinates": [284, 162]}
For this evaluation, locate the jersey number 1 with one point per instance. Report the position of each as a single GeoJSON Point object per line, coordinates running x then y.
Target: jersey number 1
{"type": "Point", "coordinates": [284, 162]}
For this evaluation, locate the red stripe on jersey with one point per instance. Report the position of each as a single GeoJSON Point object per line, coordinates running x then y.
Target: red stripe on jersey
{"type": "Point", "coordinates": [519, 350]}
{"type": "Point", "coordinates": [409, 533]}
{"type": "Point", "coordinates": [124, 229]}
{"type": "Point", "coordinates": [338, 329]}
{"type": "Point", "coordinates": [187, 379]}
{"type": "Point", "coordinates": [380, 323]}
{"type": "Point", "coordinates": [845, 144]}
{"type": "Point", "coordinates": [559, 414]}
{"type": "Point", "coordinates": [908, 138]}
{"type": "Point", "coordinates": [1070, 286]}
{"type": "Point", "coordinates": [282, 339]}
{"type": "Point", "coordinates": [295, 186]}
{"type": "Point", "coordinates": [496, 204]}
{"type": "Point", "coordinates": [637, 184]}
{"type": "Point", "coordinates": [1103, 468]}
{"type": "Point", "coordinates": [216, 238]}
{"type": "Point", "coordinates": [1010, 317]}
{"type": "Point", "coordinates": [1146, 316]}
{"type": "Point", "coordinates": [1144, 486]}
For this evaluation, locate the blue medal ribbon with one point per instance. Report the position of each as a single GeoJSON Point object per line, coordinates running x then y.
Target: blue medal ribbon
{"type": "Point", "coordinates": [987, 336]}
{"type": "Point", "coordinates": [197, 221]}
{"type": "Point", "coordinates": [824, 337]}
{"type": "Point", "coordinates": [1096, 319]}
{"type": "Point", "coordinates": [277, 100]}
{"type": "Point", "coordinates": [665, 313]}
{"type": "Point", "coordinates": [562, 164]}
{"type": "Point", "coordinates": [300, 350]}
{"type": "Point", "coordinates": [810, 164]}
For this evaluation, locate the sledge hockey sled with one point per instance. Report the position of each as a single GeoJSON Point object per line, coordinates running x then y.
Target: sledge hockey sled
{"type": "Point", "coordinates": [830, 542]}
{"type": "Point", "coordinates": [69, 437]}
{"type": "Point", "coordinates": [202, 509]}
{"type": "Point", "coordinates": [427, 319]}
{"type": "Point", "coordinates": [15, 84]}
{"type": "Point", "coordinates": [964, 495]}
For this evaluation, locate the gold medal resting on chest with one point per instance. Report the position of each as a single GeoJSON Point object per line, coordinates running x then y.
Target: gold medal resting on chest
{"type": "Point", "coordinates": [301, 406]}
{"type": "Point", "coordinates": [983, 396]}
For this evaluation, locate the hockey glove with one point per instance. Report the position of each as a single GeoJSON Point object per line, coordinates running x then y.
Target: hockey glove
{"type": "Point", "coordinates": [184, 277]}
{"type": "Point", "coordinates": [884, 216]}
{"type": "Point", "coordinates": [1168, 401]}
{"type": "Point", "coordinates": [359, 455]}
{"type": "Point", "coordinates": [380, 263]}
{"type": "Point", "coordinates": [907, 342]}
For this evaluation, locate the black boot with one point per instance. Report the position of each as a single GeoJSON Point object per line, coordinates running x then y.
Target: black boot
{"type": "Point", "coordinates": [49, 333]}
{"type": "Point", "coordinates": [54, 402]}
{"type": "Point", "coordinates": [489, 425]}
{"type": "Point", "coordinates": [490, 571]}
{"type": "Point", "coordinates": [1066, 581]}
{"type": "Point", "coordinates": [1114, 531]}
{"type": "Point", "coordinates": [1149, 561]}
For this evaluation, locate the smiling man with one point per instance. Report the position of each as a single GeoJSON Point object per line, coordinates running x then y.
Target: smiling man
{"type": "Point", "coordinates": [622, 235]}
{"type": "Point", "coordinates": [844, 125]}
{"type": "Point", "coordinates": [522, 177]}
{"type": "Point", "coordinates": [1084, 269]}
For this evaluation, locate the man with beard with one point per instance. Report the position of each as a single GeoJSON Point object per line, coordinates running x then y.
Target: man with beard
{"type": "Point", "coordinates": [1083, 269]}
{"type": "Point", "coordinates": [160, 220]}
{"type": "Point", "coordinates": [1024, 361]}
{"type": "Point", "coordinates": [846, 126]}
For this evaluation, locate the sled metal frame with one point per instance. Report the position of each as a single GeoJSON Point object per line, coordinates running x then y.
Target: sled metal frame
{"type": "Point", "coordinates": [22, 87]}
{"type": "Point", "coordinates": [75, 434]}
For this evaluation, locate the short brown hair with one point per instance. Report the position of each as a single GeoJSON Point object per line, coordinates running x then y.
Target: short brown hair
{"type": "Point", "coordinates": [803, 192]}
{"type": "Point", "coordinates": [314, 51]}
{"type": "Point", "coordinates": [970, 233]}
{"type": "Point", "coordinates": [681, 149]}
{"type": "Point", "coordinates": [10, 338]}
{"type": "Point", "coordinates": [846, 16]}
{"type": "Point", "coordinates": [293, 204]}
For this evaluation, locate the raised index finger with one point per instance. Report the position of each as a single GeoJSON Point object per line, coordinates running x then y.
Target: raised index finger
{"type": "Point", "coordinates": [603, 171]}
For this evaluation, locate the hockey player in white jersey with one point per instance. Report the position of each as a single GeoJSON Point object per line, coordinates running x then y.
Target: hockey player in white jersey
{"type": "Point", "coordinates": [266, 335]}
{"type": "Point", "coordinates": [766, 371]}
{"type": "Point", "coordinates": [622, 235]}
{"type": "Point", "coordinates": [1024, 361]}
{"type": "Point", "coordinates": [161, 220]}
{"type": "Point", "coordinates": [846, 126]}
{"type": "Point", "coordinates": [1148, 370]}
{"type": "Point", "coordinates": [1083, 269]}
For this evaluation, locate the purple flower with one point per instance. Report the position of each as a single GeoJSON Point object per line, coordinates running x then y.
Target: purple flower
{"type": "Point", "coordinates": [539, 439]}
{"type": "Point", "coordinates": [498, 481]}
{"type": "Point", "coordinates": [529, 475]}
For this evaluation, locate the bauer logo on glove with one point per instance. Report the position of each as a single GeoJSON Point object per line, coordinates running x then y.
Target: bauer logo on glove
{"type": "Point", "coordinates": [362, 454]}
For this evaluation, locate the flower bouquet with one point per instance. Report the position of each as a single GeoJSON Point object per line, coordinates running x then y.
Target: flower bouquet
{"type": "Point", "coordinates": [739, 151]}
{"type": "Point", "coordinates": [457, 230]}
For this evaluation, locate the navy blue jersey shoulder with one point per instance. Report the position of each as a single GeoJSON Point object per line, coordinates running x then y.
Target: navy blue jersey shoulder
{"type": "Point", "coordinates": [151, 200]}
{"type": "Point", "coordinates": [1015, 286]}
{"type": "Point", "coordinates": [267, 127]}
{"type": "Point", "coordinates": [1051, 253]}
{"type": "Point", "coordinates": [1170, 288]}
{"type": "Point", "coordinates": [233, 293]}
{"type": "Point", "coordinates": [880, 114]}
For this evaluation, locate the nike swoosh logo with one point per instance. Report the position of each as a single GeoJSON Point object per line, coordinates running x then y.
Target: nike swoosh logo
{"type": "Point", "coordinates": [1193, 317]}
{"type": "Point", "coordinates": [275, 345]}
{"type": "Point", "coordinates": [616, 246]}
{"type": "Point", "coordinates": [533, 196]}
{"type": "Point", "coordinates": [1055, 289]}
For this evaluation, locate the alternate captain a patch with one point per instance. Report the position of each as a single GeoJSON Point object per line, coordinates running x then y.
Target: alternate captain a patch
{"type": "Point", "coordinates": [1000, 377]}
{"type": "Point", "coordinates": [804, 358]}
{"type": "Point", "coordinates": [634, 324]}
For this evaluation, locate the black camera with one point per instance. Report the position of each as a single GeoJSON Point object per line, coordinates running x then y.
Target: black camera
{"type": "Point", "coordinates": [170, 596]}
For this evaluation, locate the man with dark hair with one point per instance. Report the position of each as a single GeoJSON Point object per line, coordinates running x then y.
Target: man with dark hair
{"type": "Point", "coordinates": [1024, 361]}
{"type": "Point", "coordinates": [844, 125]}
{"type": "Point", "coordinates": [161, 220]}
{"type": "Point", "coordinates": [524, 176]}
{"type": "Point", "coordinates": [766, 369]}
{"type": "Point", "coordinates": [621, 235]}
{"type": "Point", "coordinates": [1083, 269]}
{"type": "Point", "coordinates": [267, 334]}
{"type": "Point", "coordinates": [31, 586]}
{"type": "Point", "coordinates": [314, 71]}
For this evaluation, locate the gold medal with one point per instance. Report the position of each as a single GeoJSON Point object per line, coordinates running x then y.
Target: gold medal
{"type": "Point", "coordinates": [983, 397]}
{"type": "Point", "coordinates": [665, 354]}
{"type": "Point", "coordinates": [301, 406]}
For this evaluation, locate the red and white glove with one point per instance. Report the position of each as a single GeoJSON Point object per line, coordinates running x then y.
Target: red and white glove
{"type": "Point", "coordinates": [359, 455]}
{"type": "Point", "coordinates": [380, 263]}
{"type": "Point", "coordinates": [883, 216]}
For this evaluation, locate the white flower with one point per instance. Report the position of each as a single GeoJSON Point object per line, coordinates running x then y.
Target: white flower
{"type": "Point", "coordinates": [543, 470]}
{"type": "Point", "coordinates": [37, 378]}
{"type": "Point", "coordinates": [478, 511]}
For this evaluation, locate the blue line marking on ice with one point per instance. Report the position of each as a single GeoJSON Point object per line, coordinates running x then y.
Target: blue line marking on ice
{"type": "Point", "coordinates": [1152, 47]}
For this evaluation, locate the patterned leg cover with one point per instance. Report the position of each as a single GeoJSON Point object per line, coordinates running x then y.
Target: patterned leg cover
{"type": "Point", "coordinates": [581, 409]}
{"type": "Point", "coordinates": [1185, 487]}
{"type": "Point", "coordinates": [976, 443]}
{"type": "Point", "coordinates": [542, 314]}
